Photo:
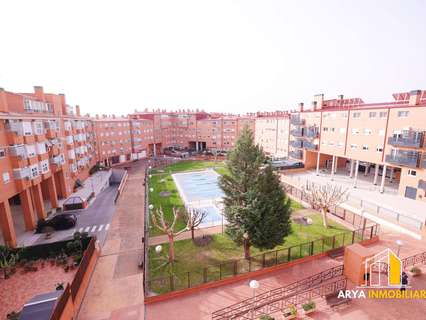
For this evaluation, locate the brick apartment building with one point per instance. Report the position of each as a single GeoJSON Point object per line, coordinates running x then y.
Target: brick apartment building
{"type": "Point", "coordinates": [47, 145]}
{"type": "Point", "coordinates": [361, 138]}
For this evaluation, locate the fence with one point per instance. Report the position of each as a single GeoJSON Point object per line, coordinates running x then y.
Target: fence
{"type": "Point", "coordinates": [279, 298]}
{"type": "Point", "coordinates": [146, 233]}
{"type": "Point", "coordinates": [364, 205]}
{"type": "Point", "coordinates": [268, 259]}
{"type": "Point", "coordinates": [348, 216]}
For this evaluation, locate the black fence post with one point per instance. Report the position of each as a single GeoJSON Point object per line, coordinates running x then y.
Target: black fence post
{"type": "Point", "coordinates": [189, 279]}
{"type": "Point", "coordinates": [276, 257]}
{"type": "Point", "coordinates": [334, 241]}
{"type": "Point", "coordinates": [353, 236]}
{"type": "Point", "coordinates": [220, 272]}
{"type": "Point", "coordinates": [263, 260]}
{"type": "Point", "coordinates": [249, 263]}
{"type": "Point", "coordinates": [371, 232]}
{"type": "Point", "coordinates": [289, 254]}
{"type": "Point", "coordinates": [235, 267]}
{"type": "Point", "coordinates": [172, 283]}
{"type": "Point", "coordinates": [205, 275]}
{"type": "Point", "coordinates": [312, 249]}
{"type": "Point", "coordinates": [322, 248]}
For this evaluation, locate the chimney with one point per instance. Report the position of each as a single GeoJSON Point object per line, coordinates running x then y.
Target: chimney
{"type": "Point", "coordinates": [39, 93]}
{"type": "Point", "coordinates": [319, 99]}
{"type": "Point", "coordinates": [63, 104]}
{"type": "Point", "coordinates": [415, 97]}
{"type": "Point", "coordinates": [301, 106]}
{"type": "Point", "coordinates": [314, 105]}
{"type": "Point", "coordinates": [77, 110]}
{"type": "Point", "coordinates": [3, 101]}
{"type": "Point", "coordinates": [113, 116]}
{"type": "Point", "coordinates": [340, 96]}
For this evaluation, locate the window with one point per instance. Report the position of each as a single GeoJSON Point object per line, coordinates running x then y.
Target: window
{"type": "Point", "coordinates": [34, 171]}
{"type": "Point", "coordinates": [382, 132]}
{"type": "Point", "coordinates": [344, 115]}
{"type": "Point", "coordinates": [340, 144]}
{"type": "Point", "coordinates": [379, 149]}
{"type": "Point", "coordinates": [403, 114]}
{"type": "Point", "coordinates": [6, 177]}
{"type": "Point", "coordinates": [356, 115]}
{"type": "Point", "coordinates": [44, 166]}
{"type": "Point", "coordinates": [355, 131]}
{"type": "Point", "coordinates": [412, 172]}
{"type": "Point", "coordinates": [354, 146]}
{"type": "Point", "coordinates": [365, 147]}
{"type": "Point", "coordinates": [372, 114]}
{"type": "Point", "coordinates": [325, 129]}
{"type": "Point", "coordinates": [2, 153]}
{"type": "Point", "coordinates": [383, 114]}
{"type": "Point", "coordinates": [367, 131]}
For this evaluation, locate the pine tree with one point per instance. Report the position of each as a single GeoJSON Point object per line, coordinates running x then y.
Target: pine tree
{"type": "Point", "coordinates": [243, 163]}
{"type": "Point", "coordinates": [267, 218]}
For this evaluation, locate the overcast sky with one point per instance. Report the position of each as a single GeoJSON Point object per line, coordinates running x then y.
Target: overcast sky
{"type": "Point", "coordinates": [233, 56]}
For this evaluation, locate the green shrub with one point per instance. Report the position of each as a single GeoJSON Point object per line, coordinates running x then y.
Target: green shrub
{"type": "Point", "coordinates": [266, 317]}
{"type": "Point", "coordinates": [308, 305]}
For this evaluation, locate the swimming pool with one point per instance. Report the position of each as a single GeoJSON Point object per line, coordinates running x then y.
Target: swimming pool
{"type": "Point", "coordinates": [200, 190]}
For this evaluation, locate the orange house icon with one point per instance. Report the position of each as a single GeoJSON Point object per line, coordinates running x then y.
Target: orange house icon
{"type": "Point", "coordinates": [385, 264]}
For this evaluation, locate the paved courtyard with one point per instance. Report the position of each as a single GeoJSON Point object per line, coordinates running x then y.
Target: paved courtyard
{"type": "Point", "coordinates": [365, 191]}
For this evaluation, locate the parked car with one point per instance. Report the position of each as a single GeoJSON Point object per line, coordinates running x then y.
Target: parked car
{"type": "Point", "coordinates": [61, 221]}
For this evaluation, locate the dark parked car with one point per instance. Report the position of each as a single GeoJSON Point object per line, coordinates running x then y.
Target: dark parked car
{"type": "Point", "coordinates": [61, 221]}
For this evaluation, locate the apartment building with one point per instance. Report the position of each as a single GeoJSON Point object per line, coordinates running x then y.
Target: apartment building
{"type": "Point", "coordinates": [272, 132]}
{"type": "Point", "coordinates": [381, 140]}
{"type": "Point", "coordinates": [45, 147]}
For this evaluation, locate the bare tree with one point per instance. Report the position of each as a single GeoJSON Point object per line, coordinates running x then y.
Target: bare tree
{"type": "Point", "coordinates": [194, 218]}
{"type": "Point", "coordinates": [324, 197]}
{"type": "Point", "coordinates": [168, 228]}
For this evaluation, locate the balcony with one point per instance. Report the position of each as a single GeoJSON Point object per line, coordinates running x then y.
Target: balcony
{"type": "Point", "coordinates": [296, 121]}
{"type": "Point", "coordinates": [424, 161]}
{"type": "Point", "coordinates": [296, 143]}
{"type": "Point", "coordinates": [401, 158]}
{"type": "Point", "coordinates": [296, 154]}
{"type": "Point", "coordinates": [296, 132]}
{"type": "Point", "coordinates": [312, 132]}
{"type": "Point", "coordinates": [310, 146]}
{"type": "Point", "coordinates": [411, 141]}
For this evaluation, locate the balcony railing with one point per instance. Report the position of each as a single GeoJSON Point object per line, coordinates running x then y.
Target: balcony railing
{"type": "Point", "coordinates": [296, 121]}
{"type": "Point", "coordinates": [296, 154]}
{"type": "Point", "coordinates": [296, 143]}
{"type": "Point", "coordinates": [312, 132]}
{"type": "Point", "coordinates": [412, 142]}
{"type": "Point", "coordinates": [424, 161]}
{"type": "Point", "coordinates": [296, 132]}
{"type": "Point", "coordinates": [310, 146]}
{"type": "Point", "coordinates": [408, 160]}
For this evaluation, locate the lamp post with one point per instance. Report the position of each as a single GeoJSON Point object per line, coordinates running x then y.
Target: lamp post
{"type": "Point", "coordinates": [158, 249]}
{"type": "Point", "coordinates": [254, 284]}
{"type": "Point", "coordinates": [151, 189]}
{"type": "Point", "coordinates": [399, 243]}
{"type": "Point", "coordinates": [151, 206]}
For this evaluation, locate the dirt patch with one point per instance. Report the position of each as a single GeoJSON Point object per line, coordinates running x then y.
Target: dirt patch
{"type": "Point", "coordinates": [306, 221]}
{"type": "Point", "coordinates": [165, 194]}
{"type": "Point", "coordinates": [203, 241]}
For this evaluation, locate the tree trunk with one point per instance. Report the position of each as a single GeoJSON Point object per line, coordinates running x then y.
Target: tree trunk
{"type": "Point", "coordinates": [246, 245]}
{"type": "Point", "coordinates": [171, 248]}
{"type": "Point", "coordinates": [324, 217]}
{"type": "Point", "coordinates": [192, 233]}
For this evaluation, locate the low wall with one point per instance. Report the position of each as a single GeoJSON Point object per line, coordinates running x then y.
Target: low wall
{"type": "Point", "coordinates": [69, 303]}
{"type": "Point", "coordinates": [244, 276]}
{"type": "Point", "coordinates": [121, 186]}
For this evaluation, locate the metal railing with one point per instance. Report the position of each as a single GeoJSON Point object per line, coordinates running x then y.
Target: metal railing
{"type": "Point", "coordinates": [424, 161]}
{"type": "Point", "coordinates": [404, 159]}
{"type": "Point", "coordinates": [279, 298]}
{"type": "Point", "coordinates": [355, 219]}
{"type": "Point", "coordinates": [309, 145]}
{"type": "Point", "coordinates": [82, 268]}
{"type": "Point", "coordinates": [296, 132]}
{"type": "Point", "coordinates": [296, 154]}
{"type": "Point", "coordinates": [296, 143]}
{"type": "Point", "coordinates": [297, 121]}
{"type": "Point", "coordinates": [414, 141]}
{"type": "Point", "coordinates": [232, 268]}
{"type": "Point", "coordinates": [312, 132]}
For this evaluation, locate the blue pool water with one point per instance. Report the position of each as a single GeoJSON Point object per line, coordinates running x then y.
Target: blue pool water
{"type": "Point", "coordinates": [199, 190]}
{"type": "Point", "coordinates": [198, 186]}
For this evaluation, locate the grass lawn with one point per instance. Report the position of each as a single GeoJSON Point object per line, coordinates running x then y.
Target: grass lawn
{"type": "Point", "coordinates": [192, 258]}
{"type": "Point", "coordinates": [162, 180]}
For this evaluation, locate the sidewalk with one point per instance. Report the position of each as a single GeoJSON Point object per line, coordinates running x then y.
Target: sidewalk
{"type": "Point", "coordinates": [153, 241]}
{"type": "Point", "coordinates": [115, 290]}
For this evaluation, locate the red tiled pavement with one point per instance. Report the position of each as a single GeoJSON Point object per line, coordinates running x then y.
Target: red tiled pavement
{"type": "Point", "coordinates": [21, 287]}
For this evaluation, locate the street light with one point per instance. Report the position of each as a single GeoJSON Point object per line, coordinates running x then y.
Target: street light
{"type": "Point", "coordinates": [254, 284]}
{"type": "Point", "coordinates": [158, 249]}
{"type": "Point", "coordinates": [151, 189]}
{"type": "Point", "coordinates": [151, 206]}
{"type": "Point", "coordinates": [150, 176]}
{"type": "Point", "coordinates": [399, 243]}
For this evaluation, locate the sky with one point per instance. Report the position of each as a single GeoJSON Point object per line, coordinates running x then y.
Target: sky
{"type": "Point", "coordinates": [226, 56]}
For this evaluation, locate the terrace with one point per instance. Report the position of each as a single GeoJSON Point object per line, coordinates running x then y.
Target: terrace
{"type": "Point", "coordinates": [404, 158]}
